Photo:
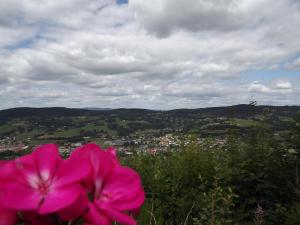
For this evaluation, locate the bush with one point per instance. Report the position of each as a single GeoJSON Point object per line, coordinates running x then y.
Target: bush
{"type": "Point", "coordinates": [200, 184]}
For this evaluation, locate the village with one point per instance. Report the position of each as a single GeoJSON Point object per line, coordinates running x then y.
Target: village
{"type": "Point", "coordinates": [124, 145]}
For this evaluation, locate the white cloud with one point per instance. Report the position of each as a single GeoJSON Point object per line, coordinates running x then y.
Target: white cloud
{"type": "Point", "coordinates": [257, 87]}
{"type": "Point", "coordinates": [284, 85]}
{"type": "Point", "coordinates": [278, 87]}
{"type": "Point", "coordinates": [165, 16]}
{"type": "Point", "coordinates": [107, 55]}
{"type": "Point", "coordinates": [294, 65]}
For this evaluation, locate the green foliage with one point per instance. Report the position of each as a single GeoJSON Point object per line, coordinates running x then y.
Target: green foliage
{"type": "Point", "coordinates": [217, 208]}
{"type": "Point", "coordinates": [211, 184]}
{"type": "Point", "coordinates": [296, 136]}
{"type": "Point", "coordinates": [293, 216]}
{"type": "Point", "coordinates": [175, 183]}
{"type": "Point", "coordinates": [206, 184]}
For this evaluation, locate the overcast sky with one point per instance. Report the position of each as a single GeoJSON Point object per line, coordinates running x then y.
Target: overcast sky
{"type": "Point", "coordinates": [158, 54]}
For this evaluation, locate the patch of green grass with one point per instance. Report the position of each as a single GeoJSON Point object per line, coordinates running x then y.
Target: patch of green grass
{"type": "Point", "coordinates": [286, 119]}
{"type": "Point", "coordinates": [6, 128]}
{"type": "Point", "coordinates": [63, 133]}
{"type": "Point", "coordinates": [244, 122]}
{"type": "Point", "coordinates": [208, 125]}
{"type": "Point", "coordinates": [72, 132]}
{"type": "Point", "coordinates": [31, 134]}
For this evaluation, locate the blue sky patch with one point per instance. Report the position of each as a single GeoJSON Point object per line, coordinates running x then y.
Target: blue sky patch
{"type": "Point", "coordinates": [120, 2]}
{"type": "Point", "coordinates": [26, 43]}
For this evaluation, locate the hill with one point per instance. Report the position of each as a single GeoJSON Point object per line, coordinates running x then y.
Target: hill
{"type": "Point", "coordinates": [66, 124]}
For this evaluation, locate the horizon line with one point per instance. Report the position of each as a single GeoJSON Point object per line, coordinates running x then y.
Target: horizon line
{"type": "Point", "coordinates": [137, 108]}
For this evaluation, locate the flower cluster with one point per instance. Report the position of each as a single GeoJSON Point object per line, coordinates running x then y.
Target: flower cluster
{"type": "Point", "coordinates": [90, 187]}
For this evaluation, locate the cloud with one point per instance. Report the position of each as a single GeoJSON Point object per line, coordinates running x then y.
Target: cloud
{"type": "Point", "coordinates": [164, 16]}
{"type": "Point", "coordinates": [160, 54]}
{"type": "Point", "coordinates": [32, 11]}
{"type": "Point", "coordinates": [294, 65]}
{"type": "Point", "coordinates": [257, 87]}
{"type": "Point", "coordinates": [278, 87]}
{"type": "Point", "coordinates": [283, 85]}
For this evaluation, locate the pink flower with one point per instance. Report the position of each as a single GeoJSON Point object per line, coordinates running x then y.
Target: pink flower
{"type": "Point", "coordinates": [7, 217]}
{"type": "Point", "coordinates": [121, 192]}
{"type": "Point", "coordinates": [43, 189]}
{"type": "Point", "coordinates": [114, 191]}
{"type": "Point", "coordinates": [44, 182]}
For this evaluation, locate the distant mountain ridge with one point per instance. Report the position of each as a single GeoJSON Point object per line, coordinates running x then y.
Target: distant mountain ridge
{"type": "Point", "coordinates": [98, 109]}
{"type": "Point", "coordinates": [73, 124]}
{"type": "Point", "coordinates": [40, 112]}
{"type": "Point", "coordinates": [235, 110]}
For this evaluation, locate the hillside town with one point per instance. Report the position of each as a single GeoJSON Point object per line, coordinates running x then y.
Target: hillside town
{"type": "Point", "coordinates": [134, 130]}
{"type": "Point", "coordinates": [124, 145]}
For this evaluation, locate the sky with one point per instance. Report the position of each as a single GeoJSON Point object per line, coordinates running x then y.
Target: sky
{"type": "Point", "coordinates": [159, 54]}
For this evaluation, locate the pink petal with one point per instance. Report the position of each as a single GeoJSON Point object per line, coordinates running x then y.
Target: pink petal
{"type": "Point", "coordinates": [25, 167]}
{"type": "Point", "coordinates": [122, 191]}
{"type": "Point", "coordinates": [7, 172]}
{"type": "Point", "coordinates": [7, 217]}
{"type": "Point", "coordinates": [75, 210]}
{"type": "Point", "coordinates": [104, 166]}
{"type": "Point", "coordinates": [72, 170]}
{"type": "Point", "coordinates": [59, 198]}
{"type": "Point", "coordinates": [83, 154]}
{"type": "Point", "coordinates": [100, 163]}
{"type": "Point", "coordinates": [124, 180]}
{"type": "Point", "coordinates": [41, 163]}
{"type": "Point", "coordinates": [119, 216]}
{"type": "Point", "coordinates": [47, 159]}
{"type": "Point", "coordinates": [98, 158]}
{"type": "Point", "coordinates": [124, 186]}
{"type": "Point", "coordinates": [88, 153]}
{"type": "Point", "coordinates": [95, 217]}
{"type": "Point", "coordinates": [133, 204]}
{"type": "Point", "coordinates": [19, 197]}
{"type": "Point", "coordinates": [112, 151]}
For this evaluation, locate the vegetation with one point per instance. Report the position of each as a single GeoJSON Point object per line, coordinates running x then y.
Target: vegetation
{"type": "Point", "coordinates": [252, 180]}
{"type": "Point", "coordinates": [62, 124]}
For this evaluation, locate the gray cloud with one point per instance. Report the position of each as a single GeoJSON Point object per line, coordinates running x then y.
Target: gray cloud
{"type": "Point", "coordinates": [279, 87]}
{"type": "Point", "coordinates": [97, 53]}
{"type": "Point", "coordinates": [3, 80]}
{"type": "Point", "coordinates": [294, 65]}
{"type": "Point", "coordinates": [164, 16]}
